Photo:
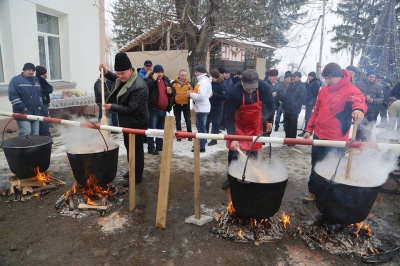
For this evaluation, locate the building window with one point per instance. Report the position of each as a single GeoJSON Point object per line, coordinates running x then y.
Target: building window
{"type": "Point", "coordinates": [49, 45]}
{"type": "Point", "coordinates": [1, 67]}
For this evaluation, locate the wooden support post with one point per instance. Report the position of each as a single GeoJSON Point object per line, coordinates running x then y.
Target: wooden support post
{"type": "Point", "coordinates": [350, 160]}
{"type": "Point", "coordinates": [197, 213]}
{"type": "Point", "coordinates": [165, 171]}
{"type": "Point", "coordinates": [132, 176]}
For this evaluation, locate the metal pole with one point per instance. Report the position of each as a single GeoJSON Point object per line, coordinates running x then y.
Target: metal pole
{"type": "Point", "coordinates": [308, 46]}
{"type": "Point", "coordinates": [322, 40]}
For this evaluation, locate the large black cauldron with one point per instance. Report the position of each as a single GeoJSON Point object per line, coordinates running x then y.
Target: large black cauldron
{"type": "Point", "coordinates": [89, 160]}
{"type": "Point", "coordinates": [25, 153]}
{"type": "Point", "coordinates": [256, 200]}
{"type": "Point", "coordinates": [343, 204]}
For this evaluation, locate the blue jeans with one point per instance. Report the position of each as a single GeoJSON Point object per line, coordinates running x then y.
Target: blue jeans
{"type": "Point", "coordinates": [44, 126]}
{"type": "Point", "coordinates": [28, 127]}
{"type": "Point", "coordinates": [201, 119]}
{"type": "Point", "coordinates": [278, 116]}
{"type": "Point", "coordinates": [157, 121]}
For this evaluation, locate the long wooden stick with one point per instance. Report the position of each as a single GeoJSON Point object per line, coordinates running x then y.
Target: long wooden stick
{"type": "Point", "coordinates": [349, 161]}
{"type": "Point", "coordinates": [196, 162]}
{"type": "Point", "coordinates": [255, 170]}
{"type": "Point", "coordinates": [103, 120]}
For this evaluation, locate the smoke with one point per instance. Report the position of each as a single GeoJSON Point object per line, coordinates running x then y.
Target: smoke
{"type": "Point", "coordinates": [369, 168]}
{"type": "Point", "coordinates": [82, 140]}
{"type": "Point", "coordinates": [259, 170]}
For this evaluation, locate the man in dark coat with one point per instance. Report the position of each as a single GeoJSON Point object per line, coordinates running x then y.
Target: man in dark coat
{"type": "Point", "coordinates": [292, 103]}
{"type": "Point", "coordinates": [382, 110]}
{"type": "Point", "coordinates": [47, 89]}
{"type": "Point", "coordinates": [281, 89]}
{"type": "Point", "coordinates": [216, 101]}
{"type": "Point", "coordinates": [25, 95]}
{"type": "Point", "coordinates": [128, 98]}
{"type": "Point", "coordinates": [374, 98]}
{"type": "Point", "coordinates": [312, 87]}
{"type": "Point", "coordinates": [161, 99]}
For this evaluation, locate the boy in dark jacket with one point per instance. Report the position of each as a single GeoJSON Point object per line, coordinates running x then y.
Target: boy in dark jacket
{"type": "Point", "coordinates": [47, 89]}
{"type": "Point", "coordinates": [216, 101]}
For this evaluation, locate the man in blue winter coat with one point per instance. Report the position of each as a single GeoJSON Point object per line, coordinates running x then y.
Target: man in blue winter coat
{"type": "Point", "coordinates": [25, 95]}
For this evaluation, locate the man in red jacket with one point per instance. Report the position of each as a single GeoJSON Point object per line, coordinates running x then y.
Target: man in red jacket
{"type": "Point", "coordinates": [337, 104]}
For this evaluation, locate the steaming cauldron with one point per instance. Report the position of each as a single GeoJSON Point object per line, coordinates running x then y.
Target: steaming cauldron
{"type": "Point", "coordinates": [92, 160]}
{"type": "Point", "coordinates": [343, 204]}
{"type": "Point", "coordinates": [256, 200]}
{"type": "Point", "coordinates": [25, 153]}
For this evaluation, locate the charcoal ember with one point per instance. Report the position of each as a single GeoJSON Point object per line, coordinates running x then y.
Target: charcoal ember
{"type": "Point", "coordinates": [339, 239]}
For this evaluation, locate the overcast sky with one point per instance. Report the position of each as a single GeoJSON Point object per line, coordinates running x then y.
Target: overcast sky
{"type": "Point", "coordinates": [302, 35]}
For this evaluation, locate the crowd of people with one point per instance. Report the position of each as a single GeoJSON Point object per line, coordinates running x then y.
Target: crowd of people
{"type": "Point", "coordinates": [241, 105]}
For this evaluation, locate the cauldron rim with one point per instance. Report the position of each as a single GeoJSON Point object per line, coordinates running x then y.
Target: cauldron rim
{"type": "Point", "coordinates": [336, 182]}
{"type": "Point", "coordinates": [249, 182]}
{"type": "Point", "coordinates": [8, 144]}
{"type": "Point", "coordinates": [75, 150]}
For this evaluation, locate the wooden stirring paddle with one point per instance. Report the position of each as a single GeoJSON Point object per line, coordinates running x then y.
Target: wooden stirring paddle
{"type": "Point", "coordinates": [255, 170]}
{"type": "Point", "coordinates": [349, 161]}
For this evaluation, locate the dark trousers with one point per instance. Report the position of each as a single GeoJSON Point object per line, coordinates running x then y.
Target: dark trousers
{"type": "Point", "coordinates": [290, 125]}
{"type": "Point", "coordinates": [318, 153]}
{"type": "Point", "coordinates": [382, 110]}
{"type": "Point", "coordinates": [44, 126]}
{"type": "Point", "coordinates": [222, 116]}
{"type": "Point", "coordinates": [157, 121]}
{"type": "Point", "coordinates": [278, 116]}
{"type": "Point", "coordinates": [214, 117]}
{"type": "Point", "coordinates": [178, 110]}
{"type": "Point", "coordinates": [139, 155]}
{"type": "Point", "coordinates": [309, 109]}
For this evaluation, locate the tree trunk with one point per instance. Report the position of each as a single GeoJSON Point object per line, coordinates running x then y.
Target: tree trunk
{"type": "Point", "coordinates": [199, 30]}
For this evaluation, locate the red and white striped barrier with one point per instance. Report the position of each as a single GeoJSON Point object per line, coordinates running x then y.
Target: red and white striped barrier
{"type": "Point", "coordinates": [181, 134]}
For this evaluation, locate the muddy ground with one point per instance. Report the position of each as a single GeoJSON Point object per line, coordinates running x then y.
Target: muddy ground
{"type": "Point", "coordinates": [34, 232]}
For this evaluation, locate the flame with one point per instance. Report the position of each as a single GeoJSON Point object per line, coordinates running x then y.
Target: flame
{"type": "Point", "coordinates": [92, 189]}
{"type": "Point", "coordinates": [368, 231]}
{"type": "Point", "coordinates": [90, 201]}
{"type": "Point", "coordinates": [358, 227]}
{"type": "Point", "coordinates": [285, 220]}
{"type": "Point", "coordinates": [230, 208]}
{"type": "Point", "coordinates": [41, 176]}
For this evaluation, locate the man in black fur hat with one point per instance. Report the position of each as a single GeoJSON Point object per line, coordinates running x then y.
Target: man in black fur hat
{"type": "Point", "coordinates": [128, 98]}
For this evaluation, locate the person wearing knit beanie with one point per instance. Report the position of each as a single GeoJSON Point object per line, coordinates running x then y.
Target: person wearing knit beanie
{"type": "Point", "coordinates": [129, 90]}
{"type": "Point", "coordinates": [158, 69]}
{"type": "Point", "coordinates": [337, 105]}
{"type": "Point", "coordinates": [40, 71]}
{"type": "Point", "coordinates": [332, 70]}
{"type": "Point", "coordinates": [24, 93]}
{"type": "Point", "coordinates": [287, 74]}
{"type": "Point", "coordinates": [214, 73]}
{"type": "Point", "coordinates": [122, 62]}
{"type": "Point", "coordinates": [28, 66]}
{"type": "Point", "coordinates": [272, 73]}
{"type": "Point", "coordinates": [200, 68]}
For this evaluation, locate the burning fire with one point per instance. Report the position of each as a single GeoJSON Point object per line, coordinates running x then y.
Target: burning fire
{"type": "Point", "coordinates": [364, 228]}
{"type": "Point", "coordinates": [92, 190]}
{"type": "Point", "coordinates": [42, 176]}
{"type": "Point", "coordinates": [285, 220]}
{"type": "Point", "coordinates": [230, 208]}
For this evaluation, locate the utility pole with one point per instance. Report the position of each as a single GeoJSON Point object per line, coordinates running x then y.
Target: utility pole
{"type": "Point", "coordinates": [319, 64]}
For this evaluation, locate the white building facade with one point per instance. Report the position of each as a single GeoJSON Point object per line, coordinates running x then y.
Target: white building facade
{"type": "Point", "coordinates": [65, 36]}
